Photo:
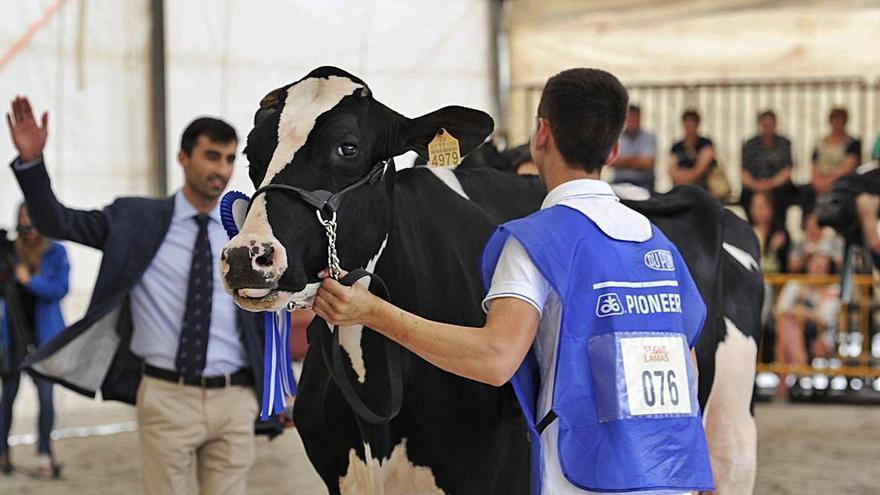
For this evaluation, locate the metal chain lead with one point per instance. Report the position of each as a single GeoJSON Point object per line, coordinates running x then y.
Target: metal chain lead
{"type": "Point", "coordinates": [332, 256]}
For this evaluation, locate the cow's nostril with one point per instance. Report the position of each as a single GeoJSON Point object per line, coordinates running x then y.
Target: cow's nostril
{"type": "Point", "coordinates": [265, 259]}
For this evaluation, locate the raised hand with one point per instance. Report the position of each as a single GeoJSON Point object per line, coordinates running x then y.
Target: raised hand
{"type": "Point", "coordinates": [29, 138]}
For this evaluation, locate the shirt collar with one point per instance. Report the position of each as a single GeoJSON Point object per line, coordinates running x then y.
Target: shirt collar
{"type": "Point", "coordinates": [578, 188]}
{"type": "Point", "coordinates": [183, 209]}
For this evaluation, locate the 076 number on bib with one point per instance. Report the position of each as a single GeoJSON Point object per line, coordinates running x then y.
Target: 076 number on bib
{"type": "Point", "coordinates": [655, 372]}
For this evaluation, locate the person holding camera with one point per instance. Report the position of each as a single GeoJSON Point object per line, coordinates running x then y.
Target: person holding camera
{"type": "Point", "coordinates": [31, 317]}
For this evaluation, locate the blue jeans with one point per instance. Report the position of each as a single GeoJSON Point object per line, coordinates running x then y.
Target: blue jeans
{"type": "Point", "coordinates": [47, 411]}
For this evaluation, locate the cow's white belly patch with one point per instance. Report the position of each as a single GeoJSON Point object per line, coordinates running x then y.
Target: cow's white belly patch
{"type": "Point", "coordinates": [350, 335]}
{"type": "Point", "coordinates": [731, 432]}
{"type": "Point", "coordinates": [395, 475]}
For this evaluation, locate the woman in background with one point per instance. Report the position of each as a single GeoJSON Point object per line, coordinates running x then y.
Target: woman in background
{"type": "Point", "coordinates": [30, 320]}
{"type": "Point", "coordinates": [772, 237]}
{"type": "Point", "coordinates": [692, 158]}
{"type": "Point", "coordinates": [808, 314]}
{"type": "Point", "coordinates": [834, 156]}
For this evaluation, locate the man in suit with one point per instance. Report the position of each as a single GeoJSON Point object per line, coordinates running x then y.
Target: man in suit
{"type": "Point", "coordinates": [160, 332]}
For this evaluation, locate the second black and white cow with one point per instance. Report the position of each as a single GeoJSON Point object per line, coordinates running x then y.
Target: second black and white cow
{"type": "Point", "coordinates": [326, 132]}
{"type": "Point", "coordinates": [837, 207]}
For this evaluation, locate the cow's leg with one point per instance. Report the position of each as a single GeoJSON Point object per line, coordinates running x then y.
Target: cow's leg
{"type": "Point", "coordinates": [731, 432]}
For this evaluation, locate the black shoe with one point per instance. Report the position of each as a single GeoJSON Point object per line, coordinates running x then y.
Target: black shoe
{"type": "Point", "coordinates": [47, 467]}
{"type": "Point", "coordinates": [6, 466]}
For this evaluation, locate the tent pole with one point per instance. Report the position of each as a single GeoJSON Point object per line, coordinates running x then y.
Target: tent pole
{"type": "Point", "coordinates": [498, 51]}
{"type": "Point", "coordinates": [157, 96]}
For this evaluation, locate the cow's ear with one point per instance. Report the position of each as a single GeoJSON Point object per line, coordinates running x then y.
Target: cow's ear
{"type": "Point", "coordinates": [471, 127]}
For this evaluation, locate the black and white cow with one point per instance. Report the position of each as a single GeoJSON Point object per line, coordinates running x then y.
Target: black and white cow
{"type": "Point", "coordinates": [424, 239]}
{"type": "Point", "coordinates": [837, 207]}
{"type": "Point", "coordinates": [323, 132]}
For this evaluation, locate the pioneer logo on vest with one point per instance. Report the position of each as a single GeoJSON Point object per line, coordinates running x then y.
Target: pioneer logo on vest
{"type": "Point", "coordinates": [655, 354]}
{"type": "Point", "coordinates": [610, 304]}
{"type": "Point", "coordinates": [659, 259]}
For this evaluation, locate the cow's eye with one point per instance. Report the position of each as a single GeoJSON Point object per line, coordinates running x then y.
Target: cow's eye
{"type": "Point", "coordinates": [347, 150]}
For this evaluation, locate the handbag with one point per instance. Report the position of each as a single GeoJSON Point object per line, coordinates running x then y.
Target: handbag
{"type": "Point", "coordinates": [717, 183]}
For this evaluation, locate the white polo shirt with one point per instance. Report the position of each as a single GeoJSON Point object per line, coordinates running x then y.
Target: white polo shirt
{"type": "Point", "coordinates": [516, 276]}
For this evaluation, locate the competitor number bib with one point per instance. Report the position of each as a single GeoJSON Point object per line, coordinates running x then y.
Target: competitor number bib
{"type": "Point", "coordinates": [642, 374]}
{"type": "Point", "coordinates": [655, 370]}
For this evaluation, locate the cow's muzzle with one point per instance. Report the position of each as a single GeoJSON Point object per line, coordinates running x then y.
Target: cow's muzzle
{"type": "Point", "coordinates": [250, 268]}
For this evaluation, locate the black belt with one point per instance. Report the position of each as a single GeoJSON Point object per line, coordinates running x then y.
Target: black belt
{"type": "Point", "coordinates": [243, 377]}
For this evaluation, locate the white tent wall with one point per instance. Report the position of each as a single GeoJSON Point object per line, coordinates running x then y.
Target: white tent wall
{"type": "Point", "coordinates": [417, 56]}
{"type": "Point", "coordinates": [690, 41]}
{"type": "Point", "coordinates": [88, 66]}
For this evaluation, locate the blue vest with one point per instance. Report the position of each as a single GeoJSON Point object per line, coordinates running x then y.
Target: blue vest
{"type": "Point", "coordinates": [625, 394]}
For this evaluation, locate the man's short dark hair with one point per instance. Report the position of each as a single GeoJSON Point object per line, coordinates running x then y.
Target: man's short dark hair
{"type": "Point", "coordinates": [635, 109]}
{"type": "Point", "coordinates": [214, 129]}
{"type": "Point", "coordinates": [691, 114]}
{"type": "Point", "coordinates": [767, 113]}
{"type": "Point", "coordinates": [586, 109]}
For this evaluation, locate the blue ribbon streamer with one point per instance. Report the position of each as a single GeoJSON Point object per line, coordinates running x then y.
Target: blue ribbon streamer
{"type": "Point", "coordinates": [278, 381]}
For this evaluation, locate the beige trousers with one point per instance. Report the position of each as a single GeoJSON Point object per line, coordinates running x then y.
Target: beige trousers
{"type": "Point", "coordinates": [195, 440]}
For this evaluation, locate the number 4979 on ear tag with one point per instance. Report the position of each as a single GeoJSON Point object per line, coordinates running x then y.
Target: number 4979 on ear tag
{"type": "Point", "coordinates": [443, 150]}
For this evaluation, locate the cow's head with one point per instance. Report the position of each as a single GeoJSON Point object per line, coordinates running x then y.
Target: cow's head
{"type": "Point", "coordinates": [323, 132]}
{"type": "Point", "coordinates": [837, 207]}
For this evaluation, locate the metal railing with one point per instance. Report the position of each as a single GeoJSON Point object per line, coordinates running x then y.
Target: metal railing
{"type": "Point", "coordinates": [852, 353]}
{"type": "Point", "coordinates": [729, 110]}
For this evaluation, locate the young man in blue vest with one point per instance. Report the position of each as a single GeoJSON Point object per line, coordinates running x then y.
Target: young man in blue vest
{"type": "Point", "coordinates": [588, 297]}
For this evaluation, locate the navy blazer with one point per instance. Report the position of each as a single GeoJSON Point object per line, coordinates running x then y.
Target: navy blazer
{"type": "Point", "coordinates": [93, 353]}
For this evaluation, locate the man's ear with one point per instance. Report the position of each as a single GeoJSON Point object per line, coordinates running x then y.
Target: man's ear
{"type": "Point", "coordinates": [615, 152]}
{"type": "Point", "coordinates": [182, 157]}
{"type": "Point", "coordinates": [470, 127]}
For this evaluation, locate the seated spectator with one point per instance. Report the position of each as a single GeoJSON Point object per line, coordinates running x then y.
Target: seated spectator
{"type": "Point", "coordinates": [766, 166]}
{"type": "Point", "coordinates": [638, 150]}
{"type": "Point", "coordinates": [692, 160]}
{"type": "Point", "coordinates": [867, 205]}
{"type": "Point", "coordinates": [835, 155]}
{"type": "Point", "coordinates": [771, 236]}
{"type": "Point", "coordinates": [807, 315]}
{"type": "Point", "coordinates": [816, 239]}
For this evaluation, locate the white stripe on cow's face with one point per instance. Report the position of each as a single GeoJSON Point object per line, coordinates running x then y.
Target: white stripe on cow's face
{"type": "Point", "coordinates": [305, 102]}
{"type": "Point", "coordinates": [731, 432]}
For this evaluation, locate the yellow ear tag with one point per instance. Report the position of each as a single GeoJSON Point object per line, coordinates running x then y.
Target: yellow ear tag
{"type": "Point", "coordinates": [443, 150]}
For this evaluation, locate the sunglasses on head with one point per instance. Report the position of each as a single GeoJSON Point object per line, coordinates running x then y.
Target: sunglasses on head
{"type": "Point", "coordinates": [24, 229]}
